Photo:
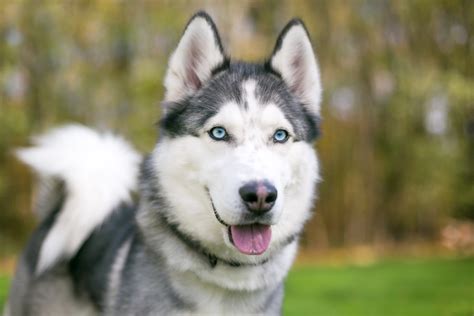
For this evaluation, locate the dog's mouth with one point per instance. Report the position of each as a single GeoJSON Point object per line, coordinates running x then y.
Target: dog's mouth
{"type": "Point", "coordinates": [252, 239]}
{"type": "Point", "coordinates": [249, 239]}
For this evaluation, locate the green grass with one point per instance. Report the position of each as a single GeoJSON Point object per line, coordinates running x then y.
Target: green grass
{"type": "Point", "coordinates": [4, 282]}
{"type": "Point", "coordinates": [421, 287]}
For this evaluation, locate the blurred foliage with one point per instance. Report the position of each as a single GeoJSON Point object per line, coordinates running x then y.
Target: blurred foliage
{"type": "Point", "coordinates": [397, 150]}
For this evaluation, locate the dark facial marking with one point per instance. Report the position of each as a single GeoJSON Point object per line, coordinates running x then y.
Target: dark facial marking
{"type": "Point", "coordinates": [189, 115]}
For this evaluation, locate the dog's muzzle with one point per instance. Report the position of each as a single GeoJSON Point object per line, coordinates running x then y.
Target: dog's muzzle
{"type": "Point", "coordinates": [253, 235]}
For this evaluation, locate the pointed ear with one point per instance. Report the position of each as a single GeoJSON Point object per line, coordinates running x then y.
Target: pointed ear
{"type": "Point", "coordinates": [198, 53]}
{"type": "Point", "coordinates": [293, 58]}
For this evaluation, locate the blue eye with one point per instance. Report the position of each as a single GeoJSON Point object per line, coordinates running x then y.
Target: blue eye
{"type": "Point", "coordinates": [280, 136]}
{"type": "Point", "coordinates": [218, 133]}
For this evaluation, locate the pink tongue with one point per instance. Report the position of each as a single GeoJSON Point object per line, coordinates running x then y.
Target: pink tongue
{"type": "Point", "coordinates": [251, 239]}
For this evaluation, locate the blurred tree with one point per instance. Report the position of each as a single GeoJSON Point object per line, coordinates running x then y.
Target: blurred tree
{"type": "Point", "coordinates": [397, 149]}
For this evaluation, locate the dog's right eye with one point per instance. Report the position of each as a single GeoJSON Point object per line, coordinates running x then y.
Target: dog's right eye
{"type": "Point", "coordinates": [218, 133]}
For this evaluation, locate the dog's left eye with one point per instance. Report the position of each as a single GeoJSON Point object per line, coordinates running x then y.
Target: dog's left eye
{"type": "Point", "coordinates": [280, 136]}
{"type": "Point", "coordinates": [218, 133]}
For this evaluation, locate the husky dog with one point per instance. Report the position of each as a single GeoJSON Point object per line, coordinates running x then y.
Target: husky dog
{"type": "Point", "coordinates": [221, 200]}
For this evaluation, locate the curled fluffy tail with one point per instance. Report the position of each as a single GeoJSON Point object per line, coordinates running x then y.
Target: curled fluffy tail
{"type": "Point", "coordinates": [98, 172]}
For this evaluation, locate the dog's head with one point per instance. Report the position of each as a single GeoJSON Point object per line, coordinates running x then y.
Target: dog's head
{"type": "Point", "coordinates": [235, 163]}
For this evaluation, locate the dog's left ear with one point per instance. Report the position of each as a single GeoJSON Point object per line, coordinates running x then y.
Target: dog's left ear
{"type": "Point", "coordinates": [199, 52]}
{"type": "Point", "coordinates": [293, 58]}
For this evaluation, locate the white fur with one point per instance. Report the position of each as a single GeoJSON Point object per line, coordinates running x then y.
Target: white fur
{"type": "Point", "coordinates": [223, 168]}
{"type": "Point", "coordinates": [197, 54]}
{"type": "Point", "coordinates": [296, 62]}
{"type": "Point", "coordinates": [99, 171]}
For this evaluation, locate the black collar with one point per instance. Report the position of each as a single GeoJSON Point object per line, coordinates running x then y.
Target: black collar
{"type": "Point", "coordinates": [196, 246]}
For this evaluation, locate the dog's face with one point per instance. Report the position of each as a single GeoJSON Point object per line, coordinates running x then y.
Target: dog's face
{"type": "Point", "coordinates": [235, 162]}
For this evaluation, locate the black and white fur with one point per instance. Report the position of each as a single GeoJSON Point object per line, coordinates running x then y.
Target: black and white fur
{"type": "Point", "coordinates": [96, 251]}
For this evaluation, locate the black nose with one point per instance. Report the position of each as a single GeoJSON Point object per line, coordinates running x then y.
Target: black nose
{"type": "Point", "coordinates": [258, 196]}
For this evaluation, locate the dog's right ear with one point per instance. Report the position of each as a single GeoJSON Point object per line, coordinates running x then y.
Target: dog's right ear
{"type": "Point", "coordinates": [199, 52]}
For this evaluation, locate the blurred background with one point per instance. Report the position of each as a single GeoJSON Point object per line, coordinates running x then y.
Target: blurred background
{"type": "Point", "coordinates": [397, 145]}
